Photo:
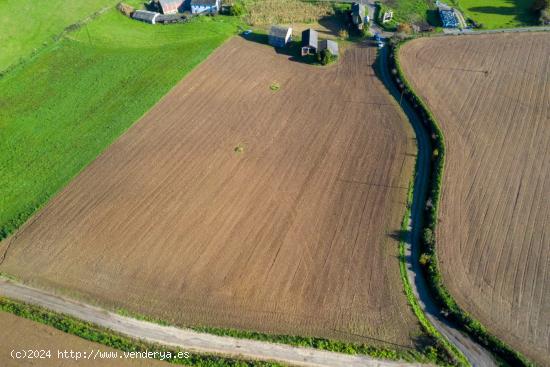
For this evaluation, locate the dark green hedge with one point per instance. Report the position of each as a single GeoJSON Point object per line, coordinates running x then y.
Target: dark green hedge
{"type": "Point", "coordinates": [433, 274]}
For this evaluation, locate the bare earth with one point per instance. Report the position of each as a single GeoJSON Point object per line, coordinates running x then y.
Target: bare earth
{"type": "Point", "coordinates": [18, 334]}
{"type": "Point", "coordinates": [491, 94]}
{"type": "Point", "coordinates": [291, 235]}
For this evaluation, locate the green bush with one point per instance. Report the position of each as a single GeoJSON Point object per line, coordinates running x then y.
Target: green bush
{"type": "Point", "coordinates": [237, 9]}
{"type": "Point", "coordinates": [325, 57]}
{"type": "Point", "coordinates": [428, 237]}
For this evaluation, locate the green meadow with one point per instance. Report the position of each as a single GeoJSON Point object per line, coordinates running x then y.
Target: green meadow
{"type": "Point", "coordinates": [500, 13]}
{"type": "Point", "coordinates": [410, 11]}
{"type": "Point", "coordinates": [60, 109]}
{"type": "Point", "coordinates": [28, 25]}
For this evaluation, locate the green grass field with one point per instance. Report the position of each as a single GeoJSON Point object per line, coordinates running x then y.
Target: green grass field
{"type": "Point", "coordinates": [409, 11]}
{"type": "Point", "coordinates": [27, 25]}
{"type": "Point", "coordinates": [500, 13]}
{"type": "Point", "coordinates": [65, 106]}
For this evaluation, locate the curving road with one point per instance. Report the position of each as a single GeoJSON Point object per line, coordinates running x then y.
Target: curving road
{"type": "Point", "coordinates": [189, 340]}
{"type": "Point", "coordinates": [475, 353]}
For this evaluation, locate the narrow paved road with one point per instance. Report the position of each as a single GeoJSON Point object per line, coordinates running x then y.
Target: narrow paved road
{"type": "Point", "coordinates": [475, 353]}
{"type": "Point", "coordinates": [189, 340]}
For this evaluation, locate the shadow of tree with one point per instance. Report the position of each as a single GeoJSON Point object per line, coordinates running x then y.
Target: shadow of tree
{"type": "Point", "coordinates": [400, 235]}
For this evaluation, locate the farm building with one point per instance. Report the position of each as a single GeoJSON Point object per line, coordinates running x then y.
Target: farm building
{"type": "Point", "coordinates": [205, 6]}
{"type": "Point", "coordinates": [145, 16]}
{"type": "Point", "coordinates": [310, 39]}
{"type": "Point", "coordinates": [171, 6]}
{"type": "Point", "coordinates": [358, 15]}
{"type": "Point", "coordinates": [279, 36]}
{"type": "Point", "coordinates": [330, 46]}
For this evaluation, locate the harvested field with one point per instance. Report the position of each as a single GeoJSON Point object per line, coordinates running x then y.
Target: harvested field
{"type": "Point", "coordinates": [233, 205]}
{"type": "Point", "coordinates": [20, 334]}
{"type": "Point", "coordinates": [491, 95]}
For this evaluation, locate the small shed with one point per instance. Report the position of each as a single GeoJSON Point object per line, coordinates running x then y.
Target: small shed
{"type": "Point", "coordinates": [310, 39]}
{"type": "Point", "coordinates": [205, 6]}
{"type": "Point", "coordinates": [330, 46]}
{"type": "Point", "coordinates": [172, 6]}
{"type": "Point", "coordinates": [145, 16]}
{"type": "Point", "coordinates": [279, 36]}
{"type": "Point", "coordinates": [358, 15]}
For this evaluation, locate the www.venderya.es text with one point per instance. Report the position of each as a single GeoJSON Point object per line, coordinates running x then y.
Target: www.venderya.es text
{"type": "Point", "coordinates": [95, 354]}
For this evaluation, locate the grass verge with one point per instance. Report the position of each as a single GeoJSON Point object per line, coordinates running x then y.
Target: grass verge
{"type": "Point", "coordinates": [111, 339]}
{"type": "Point", "coordinates": [429, 254]}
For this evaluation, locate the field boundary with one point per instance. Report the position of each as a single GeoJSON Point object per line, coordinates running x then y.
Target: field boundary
{"type": "Point", "coordinates": [9, 229]}
{"type": "Point", "coordinates": [428, 251]}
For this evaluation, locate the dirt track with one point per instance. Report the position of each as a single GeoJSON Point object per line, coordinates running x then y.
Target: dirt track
{"type": "Point", "coordinates": [189, 340]}
{"type": "Point", "coordinates": [491, 94]}
{"type": "Point", "coordinates": [290, 236]}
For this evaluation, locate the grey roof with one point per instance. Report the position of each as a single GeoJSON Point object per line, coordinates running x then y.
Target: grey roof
{"type": "Point", "coordinates": [358, 9]}
{"type": "Point", "coordinates": [145, 15]}
{"type": "Point", "coordinates": [310, 38]}
{"type": "Point", "coordinates": [204, 2]}
{"type": "Point", "coordinates": [332, 46]}
{"type": "Point", "coordinates": [278, 31]}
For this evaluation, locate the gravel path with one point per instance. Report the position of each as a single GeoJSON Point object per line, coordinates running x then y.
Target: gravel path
{"type": "Point", "coordinates": [189, 340]}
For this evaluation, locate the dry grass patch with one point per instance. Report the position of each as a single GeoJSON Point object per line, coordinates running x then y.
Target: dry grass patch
{"type": "Point", "coordinates": [262, 12]}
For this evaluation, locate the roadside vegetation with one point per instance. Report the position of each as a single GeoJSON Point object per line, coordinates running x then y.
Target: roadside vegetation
{"type": "Point", "coordinates": [428, 255]}
{"type": "Point", "coordinates": [111, 339]}
{"type": "Point", "coordinates": [62, 108]}
{"type": "Point", "coordinates": [445, 351]}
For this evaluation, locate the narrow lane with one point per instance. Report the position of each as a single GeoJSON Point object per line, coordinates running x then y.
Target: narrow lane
{"type": "Point", "coordinates": [475, 353]}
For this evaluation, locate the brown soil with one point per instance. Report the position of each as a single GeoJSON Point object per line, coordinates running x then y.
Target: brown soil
{"type": "Point", "coordinates": [233, 205]}
{"type": "Point", "coordinates": [491, 94]}
{"type": "Point", "coordinates": [18, 334]}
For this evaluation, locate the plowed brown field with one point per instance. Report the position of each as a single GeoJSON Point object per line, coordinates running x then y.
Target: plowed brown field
{"type": "Point", "coordinates": [491, 95]}
{"type": "Point", "coordinates": [292, 235]}
{"type": "Point", "coordinates": [19, 334]}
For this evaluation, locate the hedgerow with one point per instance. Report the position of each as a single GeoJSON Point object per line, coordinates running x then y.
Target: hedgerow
{"type": "Point", "coordinates": [429, 244]}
